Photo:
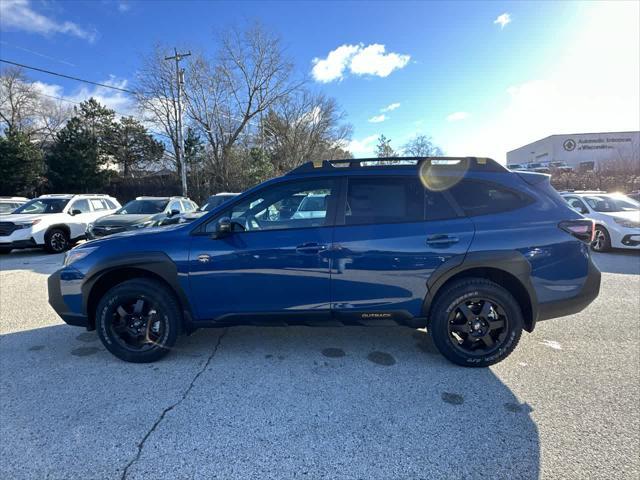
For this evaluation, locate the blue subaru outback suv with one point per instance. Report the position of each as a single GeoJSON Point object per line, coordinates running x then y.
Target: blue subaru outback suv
{"type": "Point", "coordinates": [462, 246]}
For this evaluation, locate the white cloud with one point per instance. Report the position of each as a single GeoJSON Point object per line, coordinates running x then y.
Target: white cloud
{"type": "Point", "coordinates": [123, 6]}
{"type": "Point", "coordinates": [332, 67]}
{"type": "Point", "coordinates": [373, 60]}
{"type": "Point", "coordinates": [390, 108]}
{"type": "Point", "coordinates": [503, 20]}
{"type": "Point", "coordinates": [457, 116]}
{"type": "Point", "coordinates": [121, 102]}
{"type": "Point", "coordinates": [591, 87]}
{"type": "Point", "coordinates": [364, 147]}
{"type": "Point", "coordinates": [359, 60]}
{"type": "Point", "coordinates": [377, 118]}
{"type": "Point", "coordinates": [19, 15]}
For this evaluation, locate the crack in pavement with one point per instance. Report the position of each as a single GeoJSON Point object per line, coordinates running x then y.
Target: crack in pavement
{"type": "Point", "coordinates": [171, 407]}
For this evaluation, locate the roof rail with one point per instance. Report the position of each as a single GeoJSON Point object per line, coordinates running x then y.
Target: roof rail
{"type": "Point", "coordinates": [457, 163]}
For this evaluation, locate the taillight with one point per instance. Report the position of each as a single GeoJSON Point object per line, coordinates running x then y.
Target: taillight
{"type": "Point", "coordinates": [581, 229]}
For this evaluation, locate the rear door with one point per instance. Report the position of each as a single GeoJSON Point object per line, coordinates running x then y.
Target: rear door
{"type": "Point", "coordinates": [391, 234]}
{"type": "Point", "coordinates": [84, 216]}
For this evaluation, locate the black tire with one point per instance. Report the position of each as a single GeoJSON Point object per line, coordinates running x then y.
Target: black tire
{"type": "Point", "coordinates": [601, 240]}
{"type": "Point", "coordinates": [128, 340]}
{"type": "Point", "coordinates": [489, 337]}
{"type": "Point", "coordinates": [4, 250]}
{"type": "Point", "coordinates": [57, 240]}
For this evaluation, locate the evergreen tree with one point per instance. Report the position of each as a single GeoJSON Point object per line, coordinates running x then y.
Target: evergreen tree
{"type": "Point", "coordinates": [21, 165]}
{"type": "Point", "coordinates": [74, 163]}
{"type": "Point", "coordinates": [131, 145]}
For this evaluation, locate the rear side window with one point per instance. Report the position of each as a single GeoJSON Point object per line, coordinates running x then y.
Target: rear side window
{"type": "Point", "coordinates": [437, 206]}
{"type": "Point", "coordinates": [477, 197]}
{"type": "Point", "coordinates": [384, 200]}
{"type": "Point", "coordinates": [110, 204]}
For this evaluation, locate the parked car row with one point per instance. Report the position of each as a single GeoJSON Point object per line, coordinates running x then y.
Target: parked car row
{"type": "Point", "coordinates": [541, 167]}
{"type": "Point", "coordinates": [56, 222]}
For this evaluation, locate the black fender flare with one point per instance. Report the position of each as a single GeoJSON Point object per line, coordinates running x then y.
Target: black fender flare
{"type": "Point", "coordinates": [511, 262]}
{"type": "Point", "coordinates": [156, 263]}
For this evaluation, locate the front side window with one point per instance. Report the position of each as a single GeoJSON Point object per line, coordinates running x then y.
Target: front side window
{"type": "Point", "coordinates": [477, 197]}
{"type": "Point", "coordinates": [576, 204]}
{"type": "Point", "coordinates": [43, 205]}
{"type": "Point", "coordinates": [278, 207]}
{"type": "Point", "coordinates": [81, 205]}
{"type": "Point", "coordinates": [372, 200]}
{"type": "Point", "coordinates": [175, 205]}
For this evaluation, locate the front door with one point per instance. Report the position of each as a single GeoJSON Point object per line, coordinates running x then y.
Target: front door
{"type": "Point", "coordinates": [275, 261]}
{"type": "Point", "coordinates": [390, 236]}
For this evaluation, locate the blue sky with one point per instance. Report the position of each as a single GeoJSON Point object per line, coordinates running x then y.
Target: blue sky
{"type": "Point", "coordinates": [481, 78]}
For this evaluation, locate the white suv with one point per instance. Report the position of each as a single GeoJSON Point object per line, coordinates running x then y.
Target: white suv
{"type": "Point", "coordinates": [616, 217]}
{"type": "Point", "coordinates": [53, 221]}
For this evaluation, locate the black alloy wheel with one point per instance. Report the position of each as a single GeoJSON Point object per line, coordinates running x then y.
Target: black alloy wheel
{"type": "Point", "coordinates": [139, 320]}
{"type": "Point", "coordinates": [136, 324]}
{"type": "Point", "coordinates": [475, 322]}
{"type": "Point", "coordinates": [478, 325]}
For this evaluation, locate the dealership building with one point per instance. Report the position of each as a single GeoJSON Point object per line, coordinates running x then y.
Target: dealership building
{"type": "Point", "coordinates": [578, 150]}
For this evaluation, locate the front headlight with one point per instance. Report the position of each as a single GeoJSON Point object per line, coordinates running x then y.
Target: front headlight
{"type": "Point", "coordinates": [28, 224]}
{"type": "Point", "coordinates": [627, 223]}
{"type": "Point", "coordinates": [77, 254]}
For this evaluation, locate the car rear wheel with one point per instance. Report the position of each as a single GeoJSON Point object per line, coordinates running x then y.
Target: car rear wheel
{"type": "Point", "coordinates": [601, 239]}
{"type": "Point", "coordinates": [56, 241]}
{"type": "Point", "coordinates": [475, 323]}
{"type": "Point", "coordinates": [138, 320]}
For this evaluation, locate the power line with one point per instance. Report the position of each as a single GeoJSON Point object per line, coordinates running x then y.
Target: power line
{"type": "Point", "coordinates": [67, 76]}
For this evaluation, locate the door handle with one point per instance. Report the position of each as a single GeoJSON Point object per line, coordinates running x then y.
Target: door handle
{"type": "Point", "coordinates": [310, 248]}
{"type": "Point", "coordinates": [442, 239]}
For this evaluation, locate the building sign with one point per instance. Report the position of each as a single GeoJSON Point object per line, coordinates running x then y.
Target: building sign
{"type": "Point", "coordinates": [607, 143]}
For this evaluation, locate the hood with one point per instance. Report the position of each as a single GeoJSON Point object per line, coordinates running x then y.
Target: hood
{"type": "Point", "coordinates": [127, 220]}
{"type": "Point", "coordinates": [26, 217]}
{"type": "Point", "coordinates": [630, 215]}
{"type": "Point", "coordinates": [137, 232]}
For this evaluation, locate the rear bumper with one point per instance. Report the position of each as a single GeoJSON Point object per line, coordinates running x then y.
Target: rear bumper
{"type": "Point", "coordinates": [56, 300]}
{"type": "Point", "coordinates": [577, 303]}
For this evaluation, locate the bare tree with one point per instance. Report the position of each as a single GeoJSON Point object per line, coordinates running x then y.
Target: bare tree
{"type": "Point", "coordinates": [51, 117]}
{"type": "Point", "coordinates": [249, 75]}
{"type": "Point", "coordinates": [303, 127]}
{"type": "Point", "coordinates": [18, 100]}
{"type": "Point", "coordinates": [421, 146]}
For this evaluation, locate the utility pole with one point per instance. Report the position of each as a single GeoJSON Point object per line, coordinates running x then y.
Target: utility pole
{"type": "Point", "coordinates": [180, 150]}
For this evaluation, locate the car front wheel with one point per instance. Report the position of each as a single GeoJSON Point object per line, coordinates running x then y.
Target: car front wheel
{"type": "Point", "coordinates": [138, 320]}
{"type": "Point", "coordinates": [56, 241]}
{"type": "Point", "coordinates": [475, 323]}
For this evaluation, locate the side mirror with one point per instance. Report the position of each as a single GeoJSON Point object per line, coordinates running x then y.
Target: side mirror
{"type": "Point", "coordinates": [173, 213]}
{"type": "Point", "coordinates": [223, 228]}
{"type": "Point", "coordinates": [75, 211]}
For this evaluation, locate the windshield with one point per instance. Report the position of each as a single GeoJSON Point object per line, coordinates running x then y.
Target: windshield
{"type": "Point", "coordinates": [143, 207]}
{"type": "Point", "coordinates": [43, 205]}
{"type": "Point", "coordinates": [603, 203]}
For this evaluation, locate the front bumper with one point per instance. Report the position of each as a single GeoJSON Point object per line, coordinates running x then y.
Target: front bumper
{"type": "Point", "coordinates": [624, 237]}
{"type": "Point", "coordinates": [16, 244]}
{"type": "Point", "coordinates": [70, 314]}
{"type": "Point", "coordinates": [577, 303]}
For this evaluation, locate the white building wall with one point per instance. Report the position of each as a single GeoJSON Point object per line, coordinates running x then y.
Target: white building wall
{"type": "Point", "coordinates": [583, 147]}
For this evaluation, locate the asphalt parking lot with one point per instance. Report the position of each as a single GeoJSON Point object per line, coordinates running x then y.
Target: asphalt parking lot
{"type": "Point", "coordinates": [299, 402]}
